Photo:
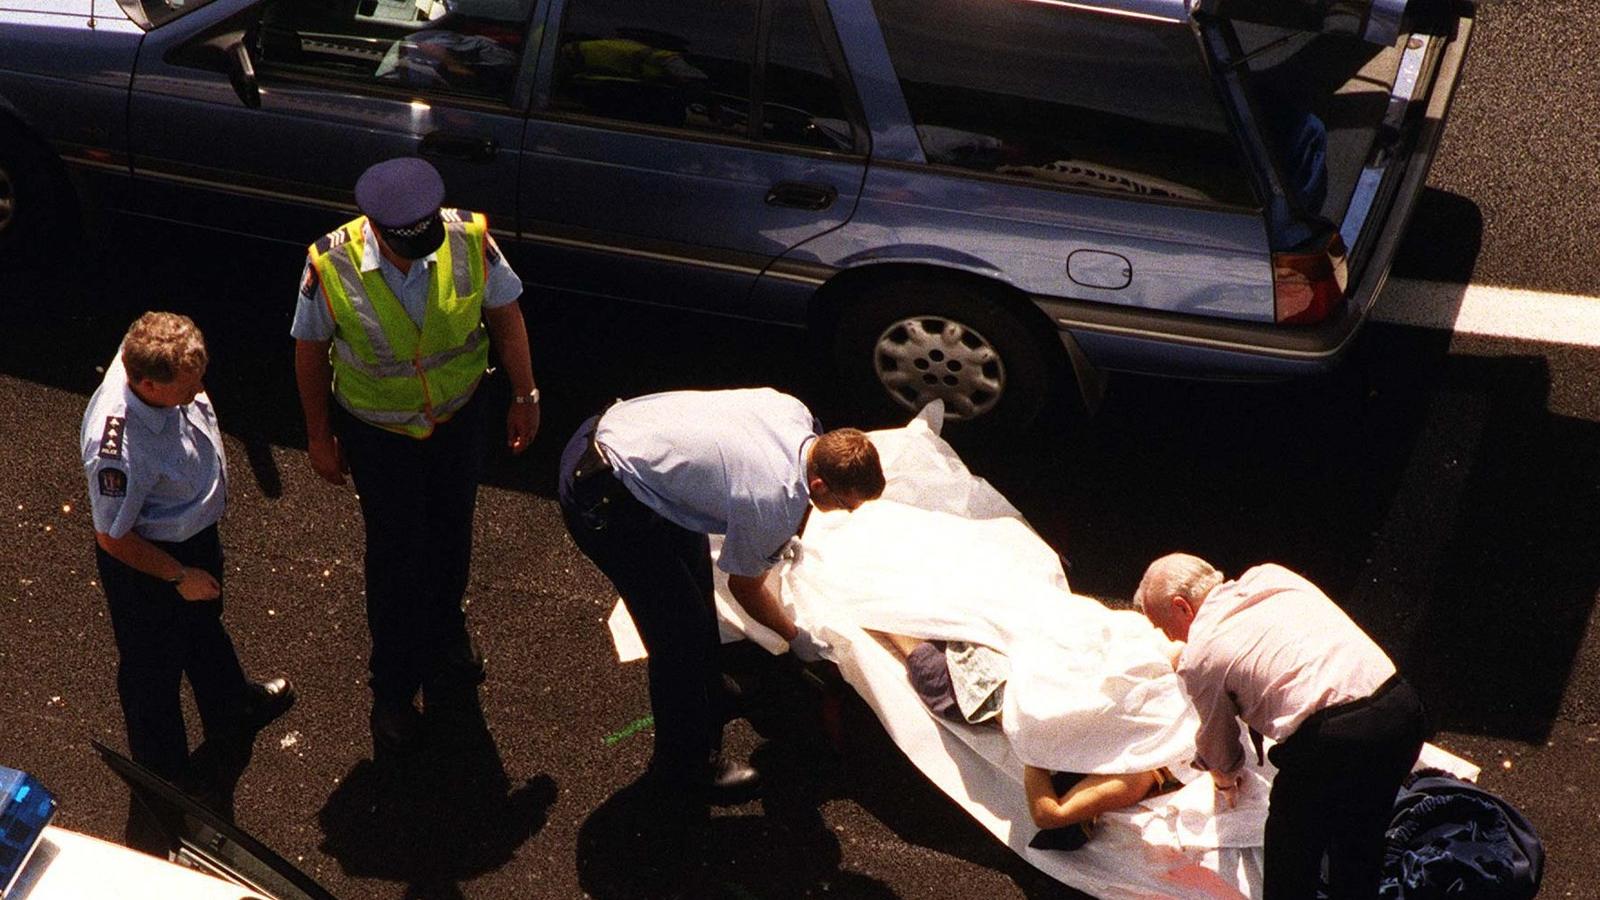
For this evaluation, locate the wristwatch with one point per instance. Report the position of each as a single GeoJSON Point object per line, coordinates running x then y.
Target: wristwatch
{"type": "Point", "coordinates": [183, 572]}
{"type": "Point", "coordinates": [530, 397]}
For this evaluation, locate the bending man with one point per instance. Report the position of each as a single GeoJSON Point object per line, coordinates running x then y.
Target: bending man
{"type": "Point", "coordinates": [645, 482]}
{"type": "Point", "coordinates": [1272, 650]}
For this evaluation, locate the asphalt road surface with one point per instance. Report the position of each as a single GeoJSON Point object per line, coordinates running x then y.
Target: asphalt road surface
{"type": "Point", "coordinates": [1443, 486]}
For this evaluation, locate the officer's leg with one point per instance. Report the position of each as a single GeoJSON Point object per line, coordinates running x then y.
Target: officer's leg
{"type": "Point", "coordinates": [149, 669]}
{"type": "Point", "coordinates": [210, 660]}
{"type": "Point", "coordinates": [387, 471]}
{"type": "Point", "coordinates": [218, 682]}
{"type": "Point", "coordinates": [644, 556]}
{"type": "Point", "coordinates": [695, 551]}
{"type": "Point", "coordinates": [455, 457]}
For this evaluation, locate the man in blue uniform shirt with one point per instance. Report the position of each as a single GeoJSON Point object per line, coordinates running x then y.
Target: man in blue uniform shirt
{"type": "Point", "coordinates": [158, 483]}
{"type": "Point", "coordinates": [641, 487]}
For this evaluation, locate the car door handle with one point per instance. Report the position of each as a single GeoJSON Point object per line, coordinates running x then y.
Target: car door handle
{"type": "Point", "coordinates": [467, 147]}
{"type": "Point", "coordinates": [801, 196]}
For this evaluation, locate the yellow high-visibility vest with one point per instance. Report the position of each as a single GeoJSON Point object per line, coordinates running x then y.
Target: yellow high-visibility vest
{"type": "Point", "coordinates": [386, 371]}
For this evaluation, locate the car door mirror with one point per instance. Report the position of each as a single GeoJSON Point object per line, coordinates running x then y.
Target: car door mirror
{"type": "Point", "coordinates": [242, 74]}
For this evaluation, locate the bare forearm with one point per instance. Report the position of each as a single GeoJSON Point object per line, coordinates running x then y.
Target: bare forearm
{"type": "Point", "coordinates": [313, 376]}
{"type": "Point", "coordinates": [509, 334]}
{"type": "Point", "coordinates": [1091, 796]}
{"type": "Point", "coordinates": [135, 552]}
{"type": "Point", "coordinates": [751, 593]}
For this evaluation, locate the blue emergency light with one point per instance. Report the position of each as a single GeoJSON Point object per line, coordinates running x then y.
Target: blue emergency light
{"type": "Point", "coordinates": [25, 809]}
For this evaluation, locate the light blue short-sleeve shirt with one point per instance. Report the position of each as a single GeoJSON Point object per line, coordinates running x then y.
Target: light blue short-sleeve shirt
{"type": "Point", "coordinates": [717, 462]}
{"type": "Point", "coordinates": [159, 472]}
{"type": "Point", "coordinates": [313, 321]}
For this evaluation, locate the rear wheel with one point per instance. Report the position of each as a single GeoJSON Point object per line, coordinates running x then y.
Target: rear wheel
{"type": "Point", "coordinates": [902, 345]}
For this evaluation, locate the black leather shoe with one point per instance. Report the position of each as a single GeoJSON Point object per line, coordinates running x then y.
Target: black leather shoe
{"type": "Point", "coordinates": [396, 726]}
{"type": "Point", "coordinates": [265, 701]}
{"type": "Point", "coordinates": [1067, 837]}
{"type": "Point", "coordinates": [728, 783]}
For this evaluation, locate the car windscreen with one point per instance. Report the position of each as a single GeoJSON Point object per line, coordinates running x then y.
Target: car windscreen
{"type": "Point", "coordinates": [155, 13]}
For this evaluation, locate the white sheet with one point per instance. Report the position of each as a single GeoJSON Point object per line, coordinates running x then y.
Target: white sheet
{"type": "Point", "coordinates": [944, 555]}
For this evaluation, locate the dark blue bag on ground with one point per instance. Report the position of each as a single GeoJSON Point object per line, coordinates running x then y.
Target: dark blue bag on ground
{"type": "Point", "coordinates": [1451, 838]}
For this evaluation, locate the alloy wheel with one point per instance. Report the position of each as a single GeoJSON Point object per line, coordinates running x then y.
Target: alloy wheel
{"type": "Point", "coordinates": [924, 358]}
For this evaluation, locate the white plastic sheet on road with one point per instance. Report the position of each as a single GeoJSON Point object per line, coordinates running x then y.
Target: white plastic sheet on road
{"type": "Point", "coordinates": [943, 555]}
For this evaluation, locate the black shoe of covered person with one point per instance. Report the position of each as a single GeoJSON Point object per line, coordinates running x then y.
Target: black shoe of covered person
{"type": "Point", "coordinates": [1067, 837]}
{"type": "Point", "coordinates": [265, 701]}
{"type": "Point", "coordinates": [396, 726]}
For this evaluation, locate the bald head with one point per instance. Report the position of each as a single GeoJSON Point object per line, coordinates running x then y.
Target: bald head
{"type": "Point", "coordinates": [1171, 591]}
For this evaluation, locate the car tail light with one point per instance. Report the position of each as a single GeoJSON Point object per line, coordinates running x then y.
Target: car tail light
{"type": "Point", "coordinates": [1308, 286]}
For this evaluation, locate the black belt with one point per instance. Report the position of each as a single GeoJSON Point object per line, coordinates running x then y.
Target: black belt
{"type": "Point", "coordinates": [591, 463]}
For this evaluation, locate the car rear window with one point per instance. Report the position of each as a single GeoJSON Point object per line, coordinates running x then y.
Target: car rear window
{"type": "Point", "coordinates": [1063, 96]}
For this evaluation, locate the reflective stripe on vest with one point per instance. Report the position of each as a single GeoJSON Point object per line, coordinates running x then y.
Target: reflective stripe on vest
{"type": "Point", "coordinates": [381, 374]}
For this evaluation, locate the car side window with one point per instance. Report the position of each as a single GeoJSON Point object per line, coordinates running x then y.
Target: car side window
{"type": "Point", "coordinates": [1064, 96]}
{"type": "Point", "coordinates": [471, 48]}
{"type": "Point", "coordinates": [684, 64]}
{"type": "Point", "coordinates": [801, 102]}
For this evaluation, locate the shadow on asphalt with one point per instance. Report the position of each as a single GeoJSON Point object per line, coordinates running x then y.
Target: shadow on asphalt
{"type": "Point", "coordinates": [436, 818]}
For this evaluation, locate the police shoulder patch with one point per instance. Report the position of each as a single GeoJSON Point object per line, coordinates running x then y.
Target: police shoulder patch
{"type": "Point", "coordinates": [308, 284]}
{"type": "Point", "coordinates": [111, 437]}
{"type": "Point", "coordinates": [113, 482]}
{"type": "Point", "coordinates": [331, 240]}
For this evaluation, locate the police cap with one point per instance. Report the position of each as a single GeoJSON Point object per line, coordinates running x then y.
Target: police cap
{"type": "Point", "coordinates": [399, 193]}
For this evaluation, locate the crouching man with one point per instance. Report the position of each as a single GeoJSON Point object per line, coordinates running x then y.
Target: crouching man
{"type": "Point", "coordinates": [1272, 650]}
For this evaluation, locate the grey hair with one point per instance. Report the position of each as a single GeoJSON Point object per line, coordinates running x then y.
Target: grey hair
{"type": "Point", "coordinates": [1176, 574]}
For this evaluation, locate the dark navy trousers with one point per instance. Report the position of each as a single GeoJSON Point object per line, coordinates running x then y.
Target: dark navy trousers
{"type": "Point", "coordinates": [663, 572]}
{"type": "Point", "coordinates": [161, 638]}
{"type": "Point", "coordinates": [1334, 793]}
{"type": "Point", "coordinates": [417, 502]}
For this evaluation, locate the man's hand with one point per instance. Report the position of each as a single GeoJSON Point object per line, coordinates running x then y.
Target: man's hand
{"type": "Point", "coordinates": [327, 459]}
{"type": "Point", "coordinates": [804, 646]}
{"type": "Point", "coordinates": [1228, 787]}
{"type": "Point", "coordinates": [522, 423]}
{"type": "Point", "coordinates": [198, 584]}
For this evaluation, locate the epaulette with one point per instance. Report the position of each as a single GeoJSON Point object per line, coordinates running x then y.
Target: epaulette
{"type": "Point", "coordinates": [111, 437]}
{"type": "Point", "coordinates": [332, 239]}
{"type": "Point", "coordinates": [451, 214]}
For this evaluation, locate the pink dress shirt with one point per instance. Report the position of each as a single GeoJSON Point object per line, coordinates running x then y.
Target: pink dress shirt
{"type": "Point", "coordinates": [1271, 649]}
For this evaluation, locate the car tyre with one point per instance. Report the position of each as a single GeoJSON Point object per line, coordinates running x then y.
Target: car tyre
{"type": "Point", "coordinates": [35, 211]}
{"type": "Point", "coordinates": [898, 346]}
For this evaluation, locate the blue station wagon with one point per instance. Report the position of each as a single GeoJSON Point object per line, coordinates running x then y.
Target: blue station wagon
{"type": "Point", "coordinates": [975, 200]}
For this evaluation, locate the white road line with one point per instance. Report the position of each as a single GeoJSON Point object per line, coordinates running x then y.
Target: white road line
{"type": "Point", "coordinates": [1492, 311]}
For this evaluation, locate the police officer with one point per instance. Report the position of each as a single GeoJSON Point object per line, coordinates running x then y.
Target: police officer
{"type": "Point", "coordinates": [641, 487]}
{"type": "Point", "coordinates": [158, 482]}
{"type": "Point", "coordinates": [396, 313]}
